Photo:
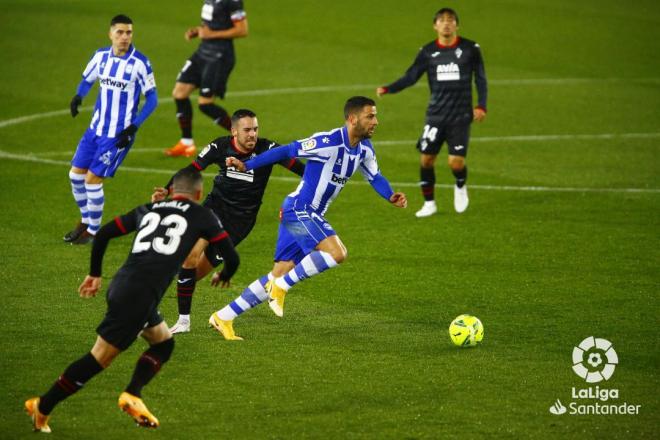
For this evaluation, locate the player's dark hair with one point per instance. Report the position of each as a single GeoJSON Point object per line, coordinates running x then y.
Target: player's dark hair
{"type": "Point", "coordinates": [186, 180]}
{"type": "Point", "coordinates": [121, 18]}
{"type": "Point", "coordinates": [449, 11]}
{"type": "Point", "coordinates": [242, 113]}
{"type": "Point", "coordinates": [355, 104]}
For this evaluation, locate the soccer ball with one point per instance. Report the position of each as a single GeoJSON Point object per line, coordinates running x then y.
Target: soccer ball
{"type": "Point", "coordinates": [466, 331]}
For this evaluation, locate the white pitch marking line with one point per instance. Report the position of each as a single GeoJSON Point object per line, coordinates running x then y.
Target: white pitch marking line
{"type": "Point", "coordinates": [32, 158]}
{"type": "Point", "coordinates": [521, 138]}
{"type": "Point", "coordinates": [338, 88]}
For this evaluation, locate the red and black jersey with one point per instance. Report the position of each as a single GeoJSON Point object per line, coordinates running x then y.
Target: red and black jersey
{"type": "Point", "coordinates": [165, 234]}
{"type": "Point", "coordinates": [235, 191]}
{"type": "Point", "coordinates": [450, 70]}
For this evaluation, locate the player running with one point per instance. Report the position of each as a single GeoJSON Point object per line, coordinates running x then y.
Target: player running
{"type": "Point", "coordinates": [208, 68]}
{"type": "Point", "coordinates": [307, 244]}
{"type": "Point", "coordinates": [236, 198]}
{"type": "Point", "coordinates": [450, 62]}
{"type": "Point", "coordinates": [123, 74]}
{"type": "Point", "coordinates": [166, 233]}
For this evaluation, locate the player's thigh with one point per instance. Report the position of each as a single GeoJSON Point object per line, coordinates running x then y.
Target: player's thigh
{"type": "Point", "coordinates": [131, 307]}
{"type": "Point", "coordinates": [189, 77]}
{"type": "Point", "coordinates": [183, 90]}
{"type": "Point", "coordinates": [306, 228]}
{"type": "Point", "coordinates": [85, 152]}
{"type": "Point", "coordinates": [157, 333]}
{"type": "Point", "coordinates": [458, 138]}
{"type": "Point", "coordinates": [431, 140]}
{"type": "Point", "coordinates": [215, 75]}
{"type": "Point", "coordinates": [107, 157]}
{"type": "Point", "coordinates": [335, 247]}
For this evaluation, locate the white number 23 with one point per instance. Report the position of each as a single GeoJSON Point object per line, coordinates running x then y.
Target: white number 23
{"type": "Point", "coordinates": [176, 224]}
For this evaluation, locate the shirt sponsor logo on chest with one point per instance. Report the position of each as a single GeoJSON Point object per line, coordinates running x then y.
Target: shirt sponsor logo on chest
{"type": "Point", "coordinates": [448, 72]}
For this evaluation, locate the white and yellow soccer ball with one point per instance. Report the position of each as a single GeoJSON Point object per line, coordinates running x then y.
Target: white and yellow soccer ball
{"type": "Point", "coordinates": [466, 331]}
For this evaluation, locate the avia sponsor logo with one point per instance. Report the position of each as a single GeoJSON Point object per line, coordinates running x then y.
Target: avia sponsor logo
{"type": "Point", "coordinates": [233, 173]}
{"type": "Point", "coordinates": [114, 83]}
{"type": "Point", "coordinates": [339, 180]}
{"type": "Point", "coordinates": [448, 72]}
{"type": "Point", "coordinates": [594, 360]}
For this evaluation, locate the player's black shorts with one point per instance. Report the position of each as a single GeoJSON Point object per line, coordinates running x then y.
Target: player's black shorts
{"type": "Point", "coordinates": [209, 73]}
{"type": "Point", "coordinates": [237, 225]}
{"type": "Point", "coordinates": [457, 137]}
{"type": "Point", "coordinates": [132, 307]}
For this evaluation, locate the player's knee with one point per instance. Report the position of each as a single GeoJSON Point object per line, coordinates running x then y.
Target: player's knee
{"type": "Point", "coordinates": [456, 163]}
{"type": "Point", "coordinates": [339, 255]}
{"type": "Point", "coordinates": [427, 161]}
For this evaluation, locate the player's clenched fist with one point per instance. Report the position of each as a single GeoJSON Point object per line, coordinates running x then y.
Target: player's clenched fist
{"type": "Point", "coordinates": [399, 200]}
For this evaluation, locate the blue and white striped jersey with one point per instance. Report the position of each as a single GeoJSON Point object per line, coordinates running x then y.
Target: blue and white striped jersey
{"type": "Point", "coordinates": [331, 162]}
{"type": "Point", "coordinates": [121, 81]}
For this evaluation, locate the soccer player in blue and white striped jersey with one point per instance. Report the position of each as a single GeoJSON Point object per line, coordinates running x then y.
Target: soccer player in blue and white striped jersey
{"type": "Point", "coordinates": [307, 244]}
{"type": "Point", "coordinates": [123, 75]}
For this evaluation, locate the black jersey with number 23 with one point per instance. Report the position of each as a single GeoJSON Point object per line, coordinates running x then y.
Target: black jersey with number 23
{"type": "Point", "coordinates": [165, 234]}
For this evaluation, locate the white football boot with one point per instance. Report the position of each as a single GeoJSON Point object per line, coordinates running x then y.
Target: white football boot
{"type": "Point", "coordinates": [181, 326]}
{"type": "Point", "coordinates": [461, 200]}
{"type": "Point", "coordinates": [429, 208]}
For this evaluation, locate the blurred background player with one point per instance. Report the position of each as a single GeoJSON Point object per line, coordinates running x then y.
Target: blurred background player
{"type": "Point", "coordinates": [236, 198]}
{"type": "Point", "coordinates": [166, 233]}
{"type": "Point", "coordinates": [123, 73]}
{"type": "Point", "coordinates": [208, 68]}
{"type": "Point", "coordinates": [307, 244]}
{"type": "Point", "coordinates": [450, 62]}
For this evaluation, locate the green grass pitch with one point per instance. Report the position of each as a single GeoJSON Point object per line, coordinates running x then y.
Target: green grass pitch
{"type": "Point", "coordinates": [560, 241]}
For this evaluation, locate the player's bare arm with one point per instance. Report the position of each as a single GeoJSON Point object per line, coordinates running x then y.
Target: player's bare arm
{"type": "Point", "coordinates": [239, 30]}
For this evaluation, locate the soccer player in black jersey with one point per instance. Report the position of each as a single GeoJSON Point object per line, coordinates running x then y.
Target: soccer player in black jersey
{"type": "Point", "coordinates": [208, 68]}
{"type": "Point", "coordinates": [167, 231]}
{"type": "Point", "coordinates": [235, 198]}
{"type": "Point", "coordinates": [450, 63]}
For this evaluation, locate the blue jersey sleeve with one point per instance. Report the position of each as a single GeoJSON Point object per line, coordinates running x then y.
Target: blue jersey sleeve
{"type": "Point", "coordinates": [272, 156]}
{"type": "Point", "coordinates": [148, 108]}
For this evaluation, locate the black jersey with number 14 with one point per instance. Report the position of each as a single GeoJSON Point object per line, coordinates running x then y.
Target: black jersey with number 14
{"type": "Point", "coordinates": [450, 70]}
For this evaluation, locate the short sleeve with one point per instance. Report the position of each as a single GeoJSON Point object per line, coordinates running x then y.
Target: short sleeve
{"type": "Point", "coordinates": [236, 11]}
{"type": "Point", "coordinates": [91, 72]}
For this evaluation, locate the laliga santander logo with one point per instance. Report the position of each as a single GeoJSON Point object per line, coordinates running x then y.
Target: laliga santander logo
{"type": "Point", "coordinates": [594, 359]}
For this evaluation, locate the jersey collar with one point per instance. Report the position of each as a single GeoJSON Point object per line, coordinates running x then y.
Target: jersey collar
{"type": "Point", "coordinates": [451, 46]}
{"type": "Point", "coordinates": [126, 56]}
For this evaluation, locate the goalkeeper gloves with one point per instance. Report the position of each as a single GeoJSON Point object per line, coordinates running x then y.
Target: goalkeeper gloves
{"type": "Point", "coordinates": [75, 103]}
{"type": "Point", "coordinates": [126, 136]}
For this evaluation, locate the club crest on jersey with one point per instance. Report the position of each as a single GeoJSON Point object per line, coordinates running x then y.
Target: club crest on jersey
{"type": "Point", "coordinates": [129, 68]}
{"type": "Point", "coordinates": [308, 144]}
{"type": "Point", "coordinates": [458, 52]}
{"type": "Point", "coordinates": [448, 72]}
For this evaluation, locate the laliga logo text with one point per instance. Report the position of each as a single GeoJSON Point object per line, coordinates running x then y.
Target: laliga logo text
{"type": "Point", "coordinates": [594, 360]}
